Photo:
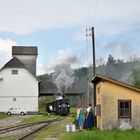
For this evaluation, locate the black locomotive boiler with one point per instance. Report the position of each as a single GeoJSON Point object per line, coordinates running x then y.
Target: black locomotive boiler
{"type": "Point", "coordinates": [61, 107]}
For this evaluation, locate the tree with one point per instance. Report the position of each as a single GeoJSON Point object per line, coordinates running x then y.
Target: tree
{"type": "Point", "coordinates": [111, 60]}
{"type": "Point", "coordinates": [136, 78]}
{"type": "Point", "coordinates": [110, 67]}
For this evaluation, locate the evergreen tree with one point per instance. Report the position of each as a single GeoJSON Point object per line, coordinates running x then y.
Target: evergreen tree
{"type": "Point", "coordinates": [136, 77]}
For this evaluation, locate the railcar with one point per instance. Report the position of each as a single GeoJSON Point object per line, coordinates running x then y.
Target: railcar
{"type": "Point", "coordinates": [61, 107]}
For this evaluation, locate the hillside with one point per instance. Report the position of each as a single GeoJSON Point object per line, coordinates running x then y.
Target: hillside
{"type": "Point", "coordinates": [127, 72]}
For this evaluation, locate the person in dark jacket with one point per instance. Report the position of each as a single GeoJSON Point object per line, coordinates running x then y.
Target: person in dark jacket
{"type": "Point", "coordinates": [89, 118]}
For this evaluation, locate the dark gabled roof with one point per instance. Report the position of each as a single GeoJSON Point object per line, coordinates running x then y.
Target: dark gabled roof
{"type": "Point", "coordinates": [24, 50]}
{"type": "Point", "coordinates": [14, 63]}
{"type": "Point", "coordinates": [47, 87]}
{"type": "Point", "coordinates": [50, 88]}
{"type": "Point", "coordinates": [98, 78]}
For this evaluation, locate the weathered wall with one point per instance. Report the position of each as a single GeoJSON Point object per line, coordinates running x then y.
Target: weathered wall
{"type": "Point", "coordinates": [110, 94]}
{"type": "Point", "coordinates": [99, 102]}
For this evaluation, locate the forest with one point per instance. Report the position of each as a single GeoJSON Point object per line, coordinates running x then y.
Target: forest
{"type": "Point", "coordinates": [117, 69]}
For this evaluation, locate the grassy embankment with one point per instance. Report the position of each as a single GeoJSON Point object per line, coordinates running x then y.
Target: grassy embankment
{"type": "Point", "coordinates": [102, 135]}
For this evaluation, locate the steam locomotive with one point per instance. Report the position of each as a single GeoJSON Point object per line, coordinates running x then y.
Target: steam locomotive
{"type": "Point", "coordinates": [61, 107]}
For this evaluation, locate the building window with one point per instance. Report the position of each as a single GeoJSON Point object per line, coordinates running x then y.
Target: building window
{"type": "Point", "coordinates": [14, 71]}
{"type": "Point", "coordinates": [124, 108]}
{"type": "Point", "coordinates": [98, 110]}
{"type": "Point", "coordinates": [98, 89]}
{"type": "Point", "coordinates": [14, 99]}
{"type": "Point", "coordinates": [1, 79]}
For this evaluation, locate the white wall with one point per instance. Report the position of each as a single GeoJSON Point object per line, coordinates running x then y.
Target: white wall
{"type": "Point", "coordinates": [23, 86]}
{"type": "Point", "coordinates": [24, 103]}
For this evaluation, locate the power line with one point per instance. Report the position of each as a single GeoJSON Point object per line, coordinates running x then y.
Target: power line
{"type": "Point", "coordinates": [92, 7]}
{"type": "Point", "coordinates": [88, 12]}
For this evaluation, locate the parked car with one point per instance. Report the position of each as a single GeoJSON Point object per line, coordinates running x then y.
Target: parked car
{"type": "Point", "coordinates": [15, 111]}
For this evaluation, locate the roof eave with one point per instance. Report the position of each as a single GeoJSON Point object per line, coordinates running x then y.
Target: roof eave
{"type": "Point", "coordinates": [98, 77]}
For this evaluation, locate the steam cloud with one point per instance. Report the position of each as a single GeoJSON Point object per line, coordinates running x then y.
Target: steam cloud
{"type": "Point", "coordinates": [64, 74]}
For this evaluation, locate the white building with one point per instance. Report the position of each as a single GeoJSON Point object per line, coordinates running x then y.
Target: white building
{"type": "Point", "coordinates": [18, 83]}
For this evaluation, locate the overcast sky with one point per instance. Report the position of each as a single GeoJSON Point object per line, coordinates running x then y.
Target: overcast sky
{"type": "Point", "coordinates": [58, 28]}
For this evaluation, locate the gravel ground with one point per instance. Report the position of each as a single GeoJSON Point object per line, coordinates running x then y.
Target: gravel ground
{"type": "Point", "coordinates": [13, 120]}
{"type": "Point", "coordinates": [21, 132]}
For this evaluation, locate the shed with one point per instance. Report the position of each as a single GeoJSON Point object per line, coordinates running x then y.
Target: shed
{"type": "Point", "coordinates": [116, 103]}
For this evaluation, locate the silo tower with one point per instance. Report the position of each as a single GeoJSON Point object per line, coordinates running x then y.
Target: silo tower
{"type": "Point", "coordinates": [27, 55]}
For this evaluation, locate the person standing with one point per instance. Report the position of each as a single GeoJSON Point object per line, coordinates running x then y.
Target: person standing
{"type": "Point", "coordinates": [89, 118]}
{"type": "Point", "coordinates": [79, 117]}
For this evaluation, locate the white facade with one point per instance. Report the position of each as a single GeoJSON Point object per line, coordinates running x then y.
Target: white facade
{"type": "Point", "coordinates": [18, 90]}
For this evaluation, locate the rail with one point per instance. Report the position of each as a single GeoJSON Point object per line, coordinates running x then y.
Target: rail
{"type": "Point", "coordinates": [37, 126]}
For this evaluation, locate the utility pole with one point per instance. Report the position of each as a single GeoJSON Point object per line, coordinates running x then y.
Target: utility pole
{"type": "Point", "coordinates": [94, 68]}
{"type": "Point", "coordinates": [94, 72]}
{"type": "Point", "coordinates": [93, 49]}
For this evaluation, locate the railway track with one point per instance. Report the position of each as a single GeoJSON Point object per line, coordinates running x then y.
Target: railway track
{"type": "Point", "coordinates": [25, 130]}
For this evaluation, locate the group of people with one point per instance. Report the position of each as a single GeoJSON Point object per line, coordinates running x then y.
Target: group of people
{"type": "Point", "coordinates": [88, 123]}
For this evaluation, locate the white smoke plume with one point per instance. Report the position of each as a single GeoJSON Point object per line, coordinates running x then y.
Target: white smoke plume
{"type": "Point", "coordinates": [63, 75]}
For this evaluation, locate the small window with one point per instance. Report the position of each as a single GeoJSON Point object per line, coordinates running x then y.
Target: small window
{"type": "Point", "coordinates": [14, 71]}
{"type": "Point", "coordinates": [98, 110]}
{"type": "Point", "coordinates": [124, 108]}
{"type": "Point", "coordinates": [14, 99]}
{"type": "Point", "coordinates": [98, 89]}
{"type": "Point", "coordinates": [1, 79]}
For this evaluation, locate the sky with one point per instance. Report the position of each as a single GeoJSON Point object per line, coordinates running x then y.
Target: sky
{"type": "Point", "coordinates": [58, 29]}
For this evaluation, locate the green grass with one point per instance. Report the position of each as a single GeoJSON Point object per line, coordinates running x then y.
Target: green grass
{"type": "Point", "coordinates": [3, 116]}
{"type": "Point", "coordinates": [8, 138]}
{"type": "Point", "coordinates": [38, 119]}
{"type": "Point", "coordinates": [102, 135]}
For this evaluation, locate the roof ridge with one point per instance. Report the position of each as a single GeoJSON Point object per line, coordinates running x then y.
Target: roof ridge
{"type": "Point", "coordinates": [100, 76]}
{"type": "Point", "coordinates": [24, 50]}
{"type": "Point", "coordinates": [14, 63]}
